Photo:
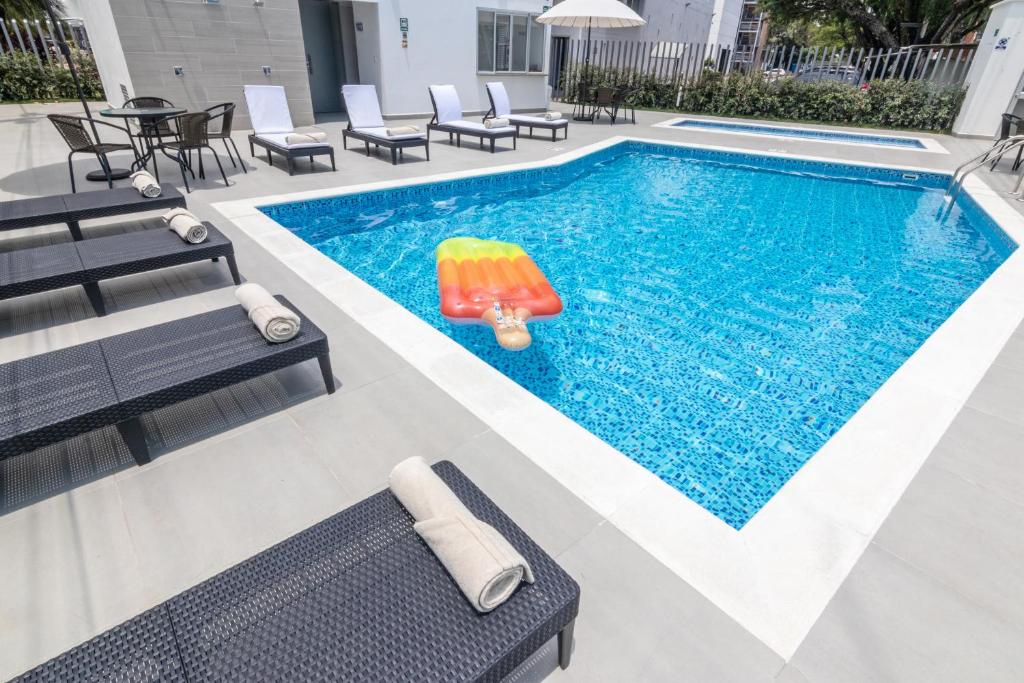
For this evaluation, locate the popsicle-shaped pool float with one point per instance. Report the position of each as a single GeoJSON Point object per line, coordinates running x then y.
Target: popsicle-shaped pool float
{"type": "Point", "coordinates": [493, 283]}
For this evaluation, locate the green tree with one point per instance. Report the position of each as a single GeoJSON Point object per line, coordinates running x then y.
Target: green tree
{"type": "Point", "coordinates": [887, 23]}
{"type": "Point", "coordinates": [30, 9]}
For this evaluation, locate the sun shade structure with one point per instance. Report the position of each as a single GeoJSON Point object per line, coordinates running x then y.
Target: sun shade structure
{"type": "Point", "coordinates": [590, 14]}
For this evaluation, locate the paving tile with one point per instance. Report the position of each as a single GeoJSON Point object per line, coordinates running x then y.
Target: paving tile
{"type": "Point", "coordinates": [999, 393]}
{"type": "Point", "coordinates": [69, 570]}
{"type": "Point", "coordinates": [202, 509]}
{"type": "Point", "coordinates": [545, 509]}
{"type": "Point", "coordinates": [362, 434]}
{"type": "Point", "coordinates": [638, 621]}
{"type": "Point", "coordinates": [1012, 355]}
{"type": "Point", "coordinates": [891, 622]}
{"type": "Point", "coordinates": [985, 450]}
{"type": "Point", "coordinates": [962, 536]}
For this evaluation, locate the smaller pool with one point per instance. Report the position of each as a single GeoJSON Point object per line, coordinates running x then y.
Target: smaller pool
{"type": "Point", "coordinates": [802, 133]}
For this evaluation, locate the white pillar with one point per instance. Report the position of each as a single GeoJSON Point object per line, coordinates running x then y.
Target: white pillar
{"type": "Point", "coordinates": [996, 77]}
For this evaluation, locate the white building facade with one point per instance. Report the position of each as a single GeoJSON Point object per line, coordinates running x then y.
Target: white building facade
{"type": "Point", "coordinates": [199, 53]}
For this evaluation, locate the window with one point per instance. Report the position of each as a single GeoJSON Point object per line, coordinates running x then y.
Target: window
{"type": "Point", "coordinates": [509, 42]}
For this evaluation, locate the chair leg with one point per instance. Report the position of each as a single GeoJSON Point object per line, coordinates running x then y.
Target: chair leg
{"type": "Point", "coordinates": [233, 267]}
{"type": "Point", "coordinates": [92, 290]}
{"type": "Point", "coordinates": [426, 149]}
{"type": "Point", "coordinates": [106, 171]}
{"type": "Point", "coordinates": [565, 644]}
{"type": "Point", "coordinates": [216, 157]}
{"type": "Point", "coordinates": [367, 148]}
{"type": "Point", "coordinates": [492, 145]}
{"type": "Point", "coordinates": [135, 438]}
{"type": "Point", "coordinates": [325, 370]}
{"type": "Point", "coordinates": [291, 165]}
{"type": "Point", "coordinates": [252, 149]}
{"type": "Point", "coordinates": [231, 158]}
{"type": "Point", "coordinates": [333, 167]}
{"type": "Point", "coordinates": [199, 156]}
{"type": "Point", "coordinates": [181, 164]}
{"type": "Point", "coordinates": [394, 156]}
{"type": "Point", "coordinates": [240, 162]}
{"type": "Point", "coordinates": [71, 172]}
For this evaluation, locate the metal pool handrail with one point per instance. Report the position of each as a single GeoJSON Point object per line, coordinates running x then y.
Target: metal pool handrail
{"type": "Point", "coordinates": [956, 183]}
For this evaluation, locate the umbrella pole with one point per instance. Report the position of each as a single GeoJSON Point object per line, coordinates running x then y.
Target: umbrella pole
{"type": "Point", "coordinates": [65, 49]}
{"type": "Point", "coordinates": [584, 91]}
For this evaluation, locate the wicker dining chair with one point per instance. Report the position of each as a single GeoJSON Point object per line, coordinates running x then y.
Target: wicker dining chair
{"type": "Point", "coordinates": [193, 135]}
{"type": "Point", "coordinates": [225, 112]}
{"type": "Point", "coordinates": [73, 130]}
{"type": "Point", "coordinates": [159, 131]}
{"type": "Point", "coordinates": [607, 102]}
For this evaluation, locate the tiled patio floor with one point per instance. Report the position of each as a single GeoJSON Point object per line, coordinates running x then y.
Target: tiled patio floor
{"type": "Point", "coordinates": [87, 539]}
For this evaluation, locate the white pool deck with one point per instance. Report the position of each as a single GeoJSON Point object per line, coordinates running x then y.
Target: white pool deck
{"type": "Point", "coordinates": [848, 573]}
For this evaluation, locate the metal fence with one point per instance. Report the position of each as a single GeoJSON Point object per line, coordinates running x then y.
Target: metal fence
{"type": "Point", "coordinates": [679, 63]}
{"type": "Point", "coordinates": [37, 37]}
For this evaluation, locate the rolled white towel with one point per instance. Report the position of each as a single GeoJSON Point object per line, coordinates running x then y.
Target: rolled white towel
{"type": "Point", "coordinates": [485, 566]}
{"type": "Point", "coordinates": [187, 225]}
{"type": "Point", "coordinates": [552, 115]}
{"type": "Point", "coordinates": [275, 322]}
{"type": "Point", "coordinates": [496, 123]}
{"type": "Point", "coordinates": [402, 130]}
{"type": "Point", "coordinates": [305, 138]}
{"type": "Point", "coordinates": [146, 184]}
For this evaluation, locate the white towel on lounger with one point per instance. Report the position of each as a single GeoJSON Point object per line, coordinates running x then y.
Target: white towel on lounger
{"type": "Point", "coordinates": [305, 138]}
{"type": "Point", "coordinates": [496, 123]}
{"type": "Point", "coordinates": [402, 130]}
{"type": "Point", "coordinates": [485, 566]}
{"type": "Point", "coordinates": [552, 115]}
{"type": "Point", "coordinates": [275, 322]}
{"type": "Point", "coordinates": [146, 184]}
{"type": "Point", "coordinates": [187, 225]}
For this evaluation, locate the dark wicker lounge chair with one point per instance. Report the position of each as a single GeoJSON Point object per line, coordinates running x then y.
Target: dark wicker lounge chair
{"type": "Point", "coordinates": [74, 208]}
{"type": "Point", "coordinates": [272, 123]}
{"type": "Point", "coordinates": [448, 119]}
{"type": "Point", "coordinates": [366, 124]}
{"type": "Point", "coordinates": [502, 107]}
{"type": "Point", "coordinates": [356, 598]}
{"type": "Point", "coordinates": [86, 263]}
{"type": "Point", "coordinates": [114, 381]}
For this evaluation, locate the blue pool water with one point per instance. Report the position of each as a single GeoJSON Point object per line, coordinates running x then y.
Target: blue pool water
{"type": "Point", "coordinates": [809, 133]}
{"type": "Point", "coordinates": [724, 313]}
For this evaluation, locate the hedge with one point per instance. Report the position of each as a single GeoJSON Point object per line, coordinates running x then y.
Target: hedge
{"type": "Point", "coordinates": [21, 78]}
{"type": "Point", "coordinates": [890, 103]}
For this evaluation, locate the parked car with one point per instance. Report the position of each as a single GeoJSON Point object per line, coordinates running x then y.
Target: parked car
{"type": "Point", "coordinates": [840, 74]}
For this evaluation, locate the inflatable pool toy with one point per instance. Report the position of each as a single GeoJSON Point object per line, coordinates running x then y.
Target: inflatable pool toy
{"type": "Point", "coordinates": [493, 283]}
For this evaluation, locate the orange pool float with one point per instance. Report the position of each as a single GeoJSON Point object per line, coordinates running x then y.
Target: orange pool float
{"type": "Point", "coordinates": [493, 283]}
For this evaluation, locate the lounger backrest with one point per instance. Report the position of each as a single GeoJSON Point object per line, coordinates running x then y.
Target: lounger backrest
{"type": "Point", "coordinates": [362, 106]}
{"type": "Point", "coordinates": [268, 109]}
{"type": "Point", "coordinates": [499, 98]}
{"type": "Point", "coordinates": [446, 103]}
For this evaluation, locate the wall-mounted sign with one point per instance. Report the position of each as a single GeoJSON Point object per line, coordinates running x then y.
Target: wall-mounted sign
{"type": "Point", "coordinates": [403, 24]}
{"type": "Point", "coordinates": [359, 26]}
{"type": "Point", "coordinates": [1002, 43]}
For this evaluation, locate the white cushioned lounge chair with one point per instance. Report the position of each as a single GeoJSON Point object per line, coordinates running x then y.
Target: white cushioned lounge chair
{"type": "Point", "coordinates": [448, 119]}
{"type": "Point", "coordinates": [501, 107]}
{"type": "Point", "coordinates": [366, 124]}
{"type": "Point", "coordinates": [272, 124]}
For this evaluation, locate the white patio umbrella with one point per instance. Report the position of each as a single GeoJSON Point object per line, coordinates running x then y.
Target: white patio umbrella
{"type": "Point", "coordinates": [591, 14]}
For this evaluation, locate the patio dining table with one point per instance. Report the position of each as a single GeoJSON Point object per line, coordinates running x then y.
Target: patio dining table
{"type": "Point", "coordinates": [149, 118]}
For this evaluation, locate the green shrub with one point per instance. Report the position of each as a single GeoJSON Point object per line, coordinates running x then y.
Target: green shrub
{"type": "Point", "coordinates": [22, 78]}
{"type": "Point", "coordinates": [891, 103]}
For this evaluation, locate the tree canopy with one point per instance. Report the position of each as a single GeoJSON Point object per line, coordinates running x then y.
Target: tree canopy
{"type": "Point", "coordinates": [884, 23]}
{"type": "Point", "coordinates": [30, 9]}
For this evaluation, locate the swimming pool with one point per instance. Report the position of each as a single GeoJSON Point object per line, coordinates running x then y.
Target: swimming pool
{"type": "Point", "coordinates": [801, 133]}
{"type": "Point", "coordinates": [725, 313]}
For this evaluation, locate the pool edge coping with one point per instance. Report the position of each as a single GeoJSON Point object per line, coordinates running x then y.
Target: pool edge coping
{"type": "Point", "coordinates": [776, 575]}
{"type": "Point", "coordinates": [930, 145]}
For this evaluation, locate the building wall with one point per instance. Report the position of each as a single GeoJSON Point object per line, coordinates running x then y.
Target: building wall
{"type": "Point", "coordinates": [106, 45]}
{"type": "Point", "coordinates": [221, 47]}
{"type": "Point", "coordinates": [725, 22]}
{"type": "Point", "coordinates": [996, 79]}
{"type": "Point", "coordinates": [667, 21]}
{"type": "Point", "coordinates": [443, 49]}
